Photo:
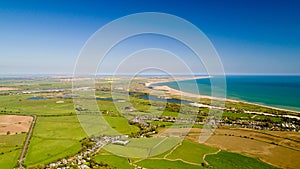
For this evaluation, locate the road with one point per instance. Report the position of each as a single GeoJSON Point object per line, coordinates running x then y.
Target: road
{"type": "Point", "coordinates": [27, 142]}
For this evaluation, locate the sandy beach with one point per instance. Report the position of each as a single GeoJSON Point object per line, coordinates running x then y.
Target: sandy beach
{"type": "Point", "coordinates": [8, 88]}
{"type": "Point", "coordinates": [172, 79]}
{"type": "Point", "coordinates": [176, 92]}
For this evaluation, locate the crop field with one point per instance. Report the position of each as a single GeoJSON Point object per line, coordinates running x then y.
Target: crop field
{"type": "Point", "coordinates": [271, 147]}
{"type": "Point", "coordinates": [12, 124]}
{"type": "Point", "coordinates": [188, 154]}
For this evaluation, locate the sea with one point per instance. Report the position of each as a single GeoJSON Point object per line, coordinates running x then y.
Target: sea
{"type": "Point", "coordinates": [276, 91]}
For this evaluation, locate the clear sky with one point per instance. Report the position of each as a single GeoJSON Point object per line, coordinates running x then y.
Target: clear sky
{"type": "Point", "coordinates": [251, 37]}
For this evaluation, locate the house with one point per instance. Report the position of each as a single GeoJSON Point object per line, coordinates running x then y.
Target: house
{"type": "Point", "coordinates": [120, 142]}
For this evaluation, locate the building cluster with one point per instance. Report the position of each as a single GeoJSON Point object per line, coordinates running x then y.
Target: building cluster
{"type": "Point", "coordinates": [292, 125]}
{"type": "Point", "coordinates": [287, 124]}
{"type": "Point", "coordinates": [84, 160]}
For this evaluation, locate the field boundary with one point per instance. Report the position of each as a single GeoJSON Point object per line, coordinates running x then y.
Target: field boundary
{"type": "Point", "coordinates": [204, 156]}
{"type": "Point", "coordinates": [20, 161]}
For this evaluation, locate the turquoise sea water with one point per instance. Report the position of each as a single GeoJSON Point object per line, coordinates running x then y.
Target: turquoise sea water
{"type": "Point", "coordinates": [276, 91]}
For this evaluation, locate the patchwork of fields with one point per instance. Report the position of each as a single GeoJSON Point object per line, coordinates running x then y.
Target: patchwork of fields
{"type": "Point", "coordinates": [58, 134]}
{"type": "Point", "coordinates": [188, 154]}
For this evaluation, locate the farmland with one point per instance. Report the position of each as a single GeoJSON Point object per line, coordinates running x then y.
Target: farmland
{"type": "Point", "coordinates": [187, 154]}
{"type": "Point", "coordinates": [155, 141]}
{"type": "Point", "coordinates": [271, 147]}
{"type": "Point", "coordinates": [228, 160]}
{"type": "Point", "coordinates": [12, 124]}
{"type": "Point", "coordinates": [10, 149]}
{"type": "Point", "coordinates": [61, 132]}
{"type": "Point", "coordinates": [114, 161]}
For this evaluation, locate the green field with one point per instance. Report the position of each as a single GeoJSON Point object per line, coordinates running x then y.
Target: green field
{"type": "Point", "coordinates": [114, 161]}
{"type": "Point", "coordinates": [166, 164]}
{"type": "Point", "coordinates": [18, 104]}
{"type": "Point", "coordinates": [54, 138]}
{"type": "Point", "coordinates": [191, 152]}
{"type": "Point", "coordinates": [144, 147]}
{"type": "Point", "coordinates": [224, 160]}
{"type": "Point", "coordinates": [187, 155]}
{"type": "Point", "coordinates": [250, 116]}
{"type": "Point", "coordinates": [37, 83]}
{"type": "Point", "coordinates": [120, 124]}
{"type": "Point", "coordinates": [10, 149]}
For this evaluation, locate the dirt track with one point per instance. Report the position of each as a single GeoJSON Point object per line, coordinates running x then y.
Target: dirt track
{"type": "Point", "coordinates": [26, 143]}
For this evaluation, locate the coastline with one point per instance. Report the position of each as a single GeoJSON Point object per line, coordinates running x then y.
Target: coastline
{"type": "Point", "coordinates": [8, 88]}
{"type": "Point", "coordinates": [173, 79]}
{"type": "Point", "coordinates": [176, 92]}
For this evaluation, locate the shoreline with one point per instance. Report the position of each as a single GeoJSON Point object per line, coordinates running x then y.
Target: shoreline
{"type": "Point", "coordinates": [8, 88]}
{"type": "Point", "coordinates": [173, 91]}
{"type": "Point", "coordinates": [172, 79]}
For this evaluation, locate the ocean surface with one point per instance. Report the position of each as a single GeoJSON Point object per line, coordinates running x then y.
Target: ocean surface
{"type": "Point", "coordinates": [276, 91]}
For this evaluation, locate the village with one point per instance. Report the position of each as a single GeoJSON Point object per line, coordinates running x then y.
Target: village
{"type": "Point", "coordinates": [90, 147]}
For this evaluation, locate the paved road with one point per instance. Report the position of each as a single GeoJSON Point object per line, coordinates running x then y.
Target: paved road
{"type": "Point", "coordinates": [27, 142]}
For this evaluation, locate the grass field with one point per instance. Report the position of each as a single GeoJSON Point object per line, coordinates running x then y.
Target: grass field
{"type": "Point", "coordinates": [40, 83]}
{"type": "Point", "coordinates": [20, 105]}
{"type": "Point", "coordinates": [59, 136]}
{"type": "Point", "coordinates": [165, 164]}
{"type": "Point", "coordinates": [144, 147]}
{"type": "Point", "coordinates": [224, 160]}
{"type": "Point", "coordinates": [53, 138]}
{"type": "Point", "coordinates": [121, 125]}
{"type": "Point", "coordinates": [10, 149]}
{"type": "Point", "coordinates": [187, 155]}
{"type": "Point", "coordinates": [191, 152]}
{"type": "Point", "coordinates": [114, 161]}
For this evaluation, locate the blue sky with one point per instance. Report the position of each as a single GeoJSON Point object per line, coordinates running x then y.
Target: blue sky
{"type": "Point", "coordinates": [251, 37]}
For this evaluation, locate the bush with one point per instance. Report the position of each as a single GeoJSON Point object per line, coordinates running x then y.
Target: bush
{"type": "Point", "coordinates": [39, 166]}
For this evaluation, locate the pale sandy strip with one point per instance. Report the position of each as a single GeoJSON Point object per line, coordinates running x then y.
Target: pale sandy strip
{"type": "Point", "coordinates": [186, 94]}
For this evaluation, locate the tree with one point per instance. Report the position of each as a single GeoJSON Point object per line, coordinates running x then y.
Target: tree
{"type": "Point", "coordinates": [8, 133]}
